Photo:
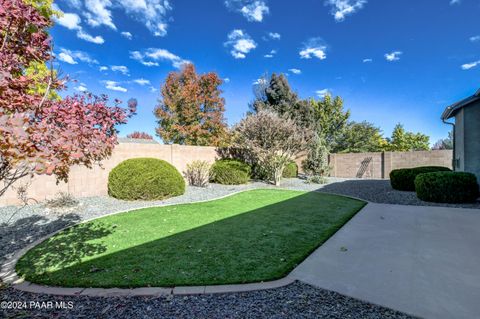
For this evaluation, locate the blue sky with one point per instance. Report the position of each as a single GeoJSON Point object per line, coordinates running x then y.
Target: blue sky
{"type": "Point", "coordinates": [390, 60]}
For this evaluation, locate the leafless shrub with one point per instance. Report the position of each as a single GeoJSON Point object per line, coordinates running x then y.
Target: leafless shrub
{"type": "Point", "coordinates": [198, 173]}
{"type": "Point", "coordinates": [62, 200]}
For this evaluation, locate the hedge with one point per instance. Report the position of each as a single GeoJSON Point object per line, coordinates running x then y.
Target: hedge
{"type": "Point", "coordinates": [291, 170]}
{"type": "Point", "coordinates": [447, 187]}
{"type": "Point", "coordinates": [404, 179]}
{"type": "Point", "coordinates": [230, 172]}
{"type": "Point", "coordinates": [145, 179]}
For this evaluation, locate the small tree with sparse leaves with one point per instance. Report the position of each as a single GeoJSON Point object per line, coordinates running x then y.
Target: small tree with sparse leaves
{"type": "Point", "coordinates": [272, 140]}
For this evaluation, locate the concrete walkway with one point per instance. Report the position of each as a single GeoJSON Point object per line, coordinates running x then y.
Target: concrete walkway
{"type": "Point", "coordinates": [424, 261]}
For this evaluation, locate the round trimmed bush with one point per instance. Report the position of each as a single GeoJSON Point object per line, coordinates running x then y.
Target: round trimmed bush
{"type": "Point", "coordinates": [404, 179]}
{"type": "Point", "coordinates": [145, 179]}
{"type": "Point", "coordinates": [447, 187]}
{"type": "Point", "coordinates": [291, 170]}
{"type": "Point", "coordinates": [230, 172]}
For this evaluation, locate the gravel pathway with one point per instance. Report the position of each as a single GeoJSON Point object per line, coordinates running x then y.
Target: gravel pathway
{"type": "Point", "coordinates": [294, 301]}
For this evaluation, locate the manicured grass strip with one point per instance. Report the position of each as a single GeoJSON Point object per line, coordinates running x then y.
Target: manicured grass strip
{"type": "Point", "coordinates": [252, 236]}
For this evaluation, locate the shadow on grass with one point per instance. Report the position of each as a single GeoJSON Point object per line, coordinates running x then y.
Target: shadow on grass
{"type": "Point", "coordinates": [22, 232]}
{"type": "Point", "coordinates": [68, 247]}
{"type": "Point", "coordinates": [249, 245]}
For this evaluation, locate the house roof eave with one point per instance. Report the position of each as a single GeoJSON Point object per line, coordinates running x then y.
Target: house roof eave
{"type": "Point", "coordinates": [451, 110]}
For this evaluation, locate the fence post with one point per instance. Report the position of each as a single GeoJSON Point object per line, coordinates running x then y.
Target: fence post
{"type": "Point", "coordinates": [386, 164]}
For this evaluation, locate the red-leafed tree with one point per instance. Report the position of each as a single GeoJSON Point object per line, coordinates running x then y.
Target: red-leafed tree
{"type": "Point", "coordinates": [191, 110]}
{"type": "Point", "coordinates": [140, 136]}
{"type": "Point", "coordinates": [39, 134]}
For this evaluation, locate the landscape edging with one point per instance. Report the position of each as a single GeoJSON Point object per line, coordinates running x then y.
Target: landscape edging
{"type": "Point", "coordinates": [9, 275]}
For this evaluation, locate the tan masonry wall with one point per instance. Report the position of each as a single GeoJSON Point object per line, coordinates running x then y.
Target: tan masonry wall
{"type": "Point", "coordinates": [85, 182]}
{"type": "Point", "coordinates": [379, 165]}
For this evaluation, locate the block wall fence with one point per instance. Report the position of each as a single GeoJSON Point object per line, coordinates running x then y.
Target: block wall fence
{"type": "Point", "coordinates": [379, 165]}
{"type": "Point", "coordinates": [84, 182]}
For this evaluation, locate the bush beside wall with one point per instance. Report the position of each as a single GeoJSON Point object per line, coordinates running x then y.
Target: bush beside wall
{"type": "Point", "coordinates": [145, 179]}
{"type": "Point", "coordinates": [291, 170]}
{"type": "Point", "coordinates": [230, 172]}
{"type": "Point", "coordinates": [404, 179]}
{"type": "Point", "coordinates": [447, 187]}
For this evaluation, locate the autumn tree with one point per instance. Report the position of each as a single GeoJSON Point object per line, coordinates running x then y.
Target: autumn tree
{"type": "Point", "coordinates": [272, 140]}
{"type": "Point", "coordinates": [191, 110]}
{"type": "Point", "coordinates": [39, 134]}
{"type": "Point", "coordinates": [140, 136]}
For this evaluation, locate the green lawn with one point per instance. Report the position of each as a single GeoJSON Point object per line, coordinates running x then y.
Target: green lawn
{"type": "Point", "coordinates": [253, 236]}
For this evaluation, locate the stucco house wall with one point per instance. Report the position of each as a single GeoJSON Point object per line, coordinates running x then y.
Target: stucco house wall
{"type": "Point", "coordinates": [471, 138]}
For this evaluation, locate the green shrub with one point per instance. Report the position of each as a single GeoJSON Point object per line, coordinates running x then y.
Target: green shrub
{"type": "Point", "coordinates": [404, 179]}
{"type": "Point", "coordinates": [145, 179]}
{"type": "Point", "coordinates": [316, 179]}
{"type": "Point", "coordinates": [447, 187]}
{"type": "Point", "coordinates": [291, 170]}
{"type": "Point", "coordinates": [230, 172]}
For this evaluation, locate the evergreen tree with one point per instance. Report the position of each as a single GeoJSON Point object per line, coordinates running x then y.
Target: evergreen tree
{"type": "Point", "coordinates": [403, 141]}
{"type": "Point", "coordinates": [360, 137]}
{"type": "Point", "coordinates": [330, 119]}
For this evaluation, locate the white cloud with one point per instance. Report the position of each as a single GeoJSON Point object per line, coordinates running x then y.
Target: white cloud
{"type": "Point", "coordinates": [475, 38]}
{"type": "Point", "coordinates": [226, 80]}
{"type": "Point", "coordinates": [71, 57]}
{"type": "Point", "coordinates": [98, 13]}
{"type": "Point", "coordinates": [274, 35]}
{"type": "Point", "coordinates": [322, 93]}
{"type": "Point", "coordinates": [142, 81]}
{"type": "Point", "coordinates": [295, 71]}
{"type": "Point", "coordinates": [120, 68]}
{"type": "Point", "coordinates": [81, 88]}
{"type": "Point", "coordinates": [468, 66]}
{"type": "Point", "coordinates": [260, 81]}
{"type": "Point", "coordinates": [452, 2]}
{"type": "Point", "coordinates": [87, 37]}
{"type": "Point", "coordinates": [65, 57]}
{"type": "Point", "coordinates": [103, 68]}
{"type": "Point", "coordinates": [342, 8]}
{"type": "Point", "coordinates": [153, 13]}
{"type": "Point", "coordinates": [393, 56]}
{"type": "Point", "coordinates": [314, 47]}
{"type": "Point", "coordinates": [367, 60]}
{"type": "Point", "coordinates": [271, 54]}
{"type": "Point", "coordinates": [152, 55]}
{"type": "Point", "coordinates": [152, 89]}
{"type": "Point", "coordinates": [127, 35]}
{"type": "Point", "coordinates": [114, 86]}
{"type": "Point", "coordinates": [70, 21]}
{"type": "Point", "coordinates": [253, 10]}
{"type": "Point", "coordinates": [241, 44]}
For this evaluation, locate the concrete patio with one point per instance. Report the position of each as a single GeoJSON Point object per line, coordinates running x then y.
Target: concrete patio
{"type": "Point", "coordinates": [423, 261]}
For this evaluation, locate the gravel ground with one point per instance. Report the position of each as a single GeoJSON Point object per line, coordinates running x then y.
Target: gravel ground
{"type": "Point", "coordinates": [19, 227]}
{"type": "Point", "coordinates": [380, 191]}
{"type": "Point", "coordinates": [297, 300]}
